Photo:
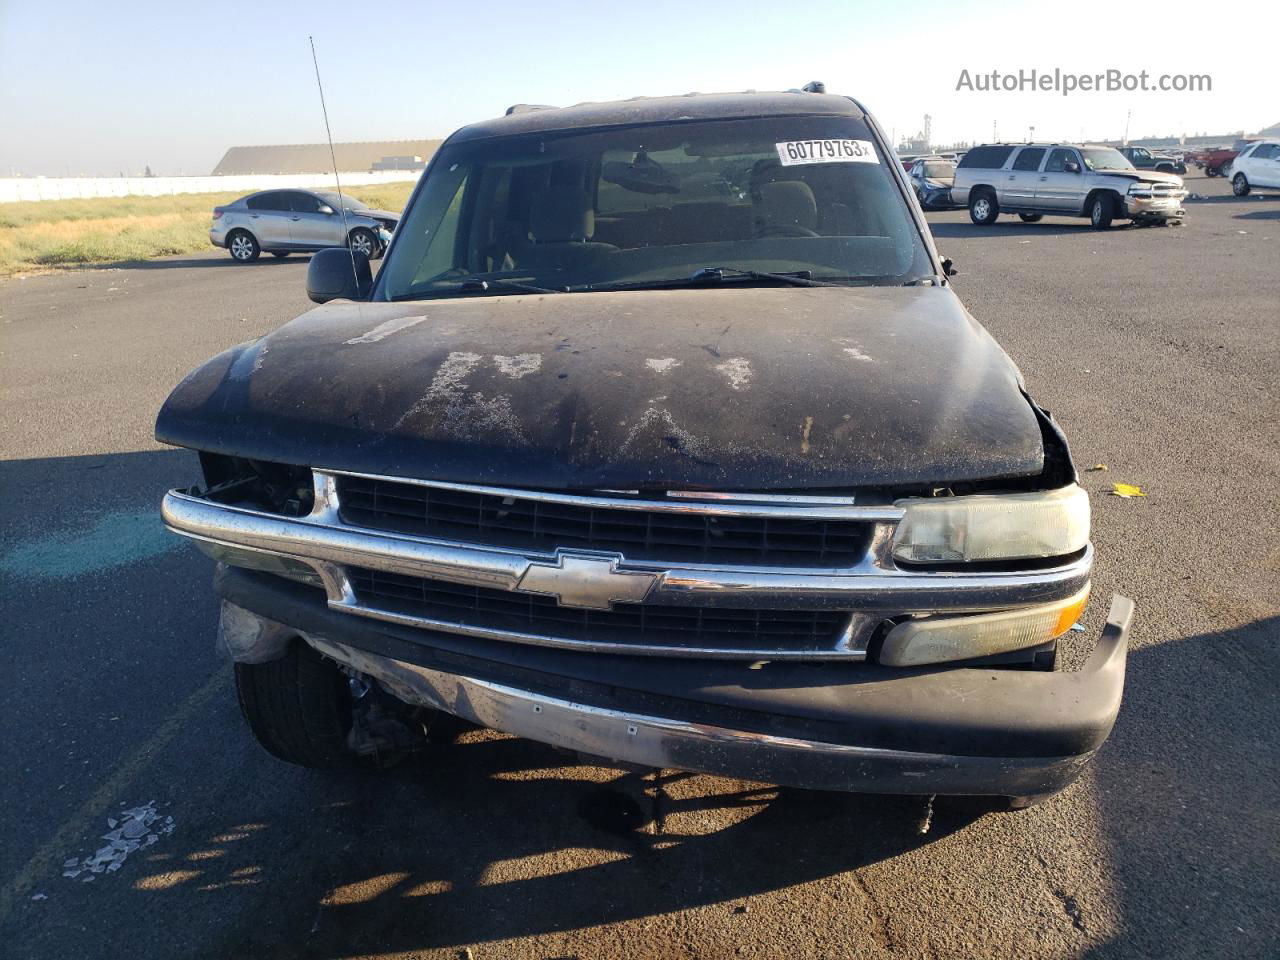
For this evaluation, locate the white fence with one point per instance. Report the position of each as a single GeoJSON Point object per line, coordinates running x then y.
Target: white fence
{"type": "Point", "coordinates": [13, 189]}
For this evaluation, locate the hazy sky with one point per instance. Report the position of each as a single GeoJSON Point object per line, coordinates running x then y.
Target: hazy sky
{"type": "Point", "coordinates": [100, 88]}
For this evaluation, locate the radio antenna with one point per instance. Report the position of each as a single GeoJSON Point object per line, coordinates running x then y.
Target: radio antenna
{"type": "Point", "coordinates": [342, 200]}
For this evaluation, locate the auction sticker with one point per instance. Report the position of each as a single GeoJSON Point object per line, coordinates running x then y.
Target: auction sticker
{"type": "Point", "coordinates": [793, 152]}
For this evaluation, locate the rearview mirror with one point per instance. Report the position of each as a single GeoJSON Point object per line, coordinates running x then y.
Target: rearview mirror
{"type": "Point", "coordinates": [1071, 166]}
{"type": "Point", "coordinates": [337, 273]}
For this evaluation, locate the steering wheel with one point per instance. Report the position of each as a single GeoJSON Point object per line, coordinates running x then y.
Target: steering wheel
{"type": "Point", "coordinates": [785, 230]}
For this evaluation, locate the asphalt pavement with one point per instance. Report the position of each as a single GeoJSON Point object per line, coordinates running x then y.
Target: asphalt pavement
{"type": "Point", "coordinates": [1158, 350]}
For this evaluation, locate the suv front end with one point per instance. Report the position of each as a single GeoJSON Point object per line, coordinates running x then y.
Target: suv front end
{"type": "Point", "coordinates": [1146, 200]}
{"type": "Point", "coordinates": [917, 658]}
{"type": "Point", "coordinates": [692, 460]}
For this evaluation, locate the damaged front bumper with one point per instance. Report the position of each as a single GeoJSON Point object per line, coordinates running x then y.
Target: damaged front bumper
{"type": "Point", "coordinates": [852, 727]}
{"type": "Point", "coordinates": [1158, 207]}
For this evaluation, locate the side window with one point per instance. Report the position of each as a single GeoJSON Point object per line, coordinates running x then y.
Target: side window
{"type": "Point", "coordinates": [1058, 160]}
{"type": "Point", "coordinates": [269, 201]}
{"type": "Point", "coordinates": [1268, 151]}
{"type": "Point", "coordinates": [986, 158]}
{"type": "Point", "coordinates": [303, 202]}
{"type": "Point", "coordinates": [1029, 158]}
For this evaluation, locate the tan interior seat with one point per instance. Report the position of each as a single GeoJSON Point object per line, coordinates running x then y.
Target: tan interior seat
{"type": "Point", "coordinates": [785, 208]}
{"type": "Point", "coordinates": [561, 225]}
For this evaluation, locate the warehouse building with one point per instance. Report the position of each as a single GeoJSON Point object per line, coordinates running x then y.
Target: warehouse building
{"type": "Point", "coordinates": [314, 157]}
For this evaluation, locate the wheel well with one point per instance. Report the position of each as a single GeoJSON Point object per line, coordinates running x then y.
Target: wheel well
{"type": "Point", "coordinates": [980, 189]}
{"type": "Point", "coordinates": [246, 231]}
{"type": "Point", "coordinates": [1093, 194]}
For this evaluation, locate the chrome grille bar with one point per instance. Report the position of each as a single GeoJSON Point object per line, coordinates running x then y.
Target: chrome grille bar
{"type": "Point", "coordinates": [871, 590]}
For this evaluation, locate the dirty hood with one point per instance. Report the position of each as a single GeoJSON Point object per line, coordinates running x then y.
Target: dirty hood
{"type": "Point", "coordinates": [725, 388]}
{"type": "Point", "coordinates": [1151, 176]}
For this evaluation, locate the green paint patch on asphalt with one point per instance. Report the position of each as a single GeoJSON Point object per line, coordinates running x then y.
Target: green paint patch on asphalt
{"type": "Point", "coordinates": [115, 540]}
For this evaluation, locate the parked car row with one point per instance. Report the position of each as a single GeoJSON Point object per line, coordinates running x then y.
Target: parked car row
{"type": "Point", "coordinates": [1030, 180]}
{"type": "Point", "coordinates": [281, 222]}
{"type": "Point", "coordinates": [1216, 161]}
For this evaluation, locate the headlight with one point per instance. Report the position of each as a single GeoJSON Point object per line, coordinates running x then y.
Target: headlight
{"type": "Point", "coordinates": [1008, 526]}
{"type": "Point", "coordinates": [943, 639]}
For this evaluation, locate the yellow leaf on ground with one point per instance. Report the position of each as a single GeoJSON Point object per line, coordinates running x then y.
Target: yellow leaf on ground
{"type": "Point", "coordinates": [1126, 490]}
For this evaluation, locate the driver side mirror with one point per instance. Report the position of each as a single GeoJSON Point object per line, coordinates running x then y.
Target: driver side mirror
{"type": "Point", "coordinates": [1071, 166]}
{"type": "Point", "coordinates": [326, 210]}
{"type": "Point", "coordinates": [948, 267]}
{"type": "Point", "coordinates": [337, 273]}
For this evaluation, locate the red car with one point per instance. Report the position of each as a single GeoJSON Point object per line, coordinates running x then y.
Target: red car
{"type": "Point", "coordinates": [1214, 162]}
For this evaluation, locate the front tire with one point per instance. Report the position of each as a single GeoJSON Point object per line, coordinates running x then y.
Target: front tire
{"type": "Point", "coordinates": [363, 241]}
{"type": "Point", "coordinates": [243, 246]}
{"type": "Point", "coordinates": [983, 209]}
{"type": "Point", "coordinates": [1031, 217]}
{"type": "Point", "coordinates": [298, 707]}
{"type": "Point", "coordinates": [1240, 185]}
{"type": "Point", "coordinates": [1102, 211]}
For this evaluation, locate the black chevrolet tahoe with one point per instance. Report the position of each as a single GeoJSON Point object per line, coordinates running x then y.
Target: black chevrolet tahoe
{"type": "Point", "coordinates": [661, 436]}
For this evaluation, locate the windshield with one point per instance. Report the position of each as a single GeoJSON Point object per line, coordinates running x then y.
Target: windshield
{"type": "Point", "coordinates": [939, 171]}
{"type": "Point", "coordinates": [1105, 158]}
{"type": "Point", "coordinates": [333, 199]}
{"type": "Point", "coordinates": [630, 205]}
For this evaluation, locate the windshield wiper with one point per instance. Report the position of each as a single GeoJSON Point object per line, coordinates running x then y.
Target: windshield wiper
{"type": "Point", "coordinates": [705, 276]}
{"type": "Point", "coordinates": [475, 285]}
{"type": "Point", "coordinates": [478, 285]}
{"type": "Point", "coordinates": [797, 278]}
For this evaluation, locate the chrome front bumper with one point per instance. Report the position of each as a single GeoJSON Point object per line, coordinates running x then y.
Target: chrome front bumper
{"type": "Point", "coordinates": [1155, 208]}
{"type": "Point", "coordinates": [1007, 733]}
{"type": "Point", "coordinates": [874, 589]}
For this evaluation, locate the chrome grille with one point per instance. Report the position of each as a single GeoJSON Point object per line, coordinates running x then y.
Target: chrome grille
{"type": "Point", "coordinates": [526, 523]}
{"type": "Point", "coordinates": [503, 611]}
{"type": "Point", "coordinates": [470, 585]}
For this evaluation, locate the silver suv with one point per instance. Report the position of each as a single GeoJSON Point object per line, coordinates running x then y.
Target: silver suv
{"type": "Point", "coordinates": [1066, 180]}
{"type": "Point", "coordinates": [299, 221]}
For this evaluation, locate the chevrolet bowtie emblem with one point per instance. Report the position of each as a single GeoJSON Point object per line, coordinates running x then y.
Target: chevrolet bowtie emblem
{"type": "Point", "coordinates": [588, 582]}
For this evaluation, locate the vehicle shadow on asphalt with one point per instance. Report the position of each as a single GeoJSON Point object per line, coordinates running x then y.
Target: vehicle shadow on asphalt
{"type": "Point", "coordinates": [488, 838]}
{"type": "Point", "coordinates": [971, 231]}
{"type": "Point", "coordinates": [1231, 198]}
{"type": "Point", "coordinates": [498, 838]}
{"type": "Point", "coordinates": [1192, 767]}
{"type": "Point", "coordinates": [184, 263]}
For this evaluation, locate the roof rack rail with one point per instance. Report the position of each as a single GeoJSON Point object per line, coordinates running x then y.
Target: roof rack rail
{"type": "Point", "coordinates": [528, 107]}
